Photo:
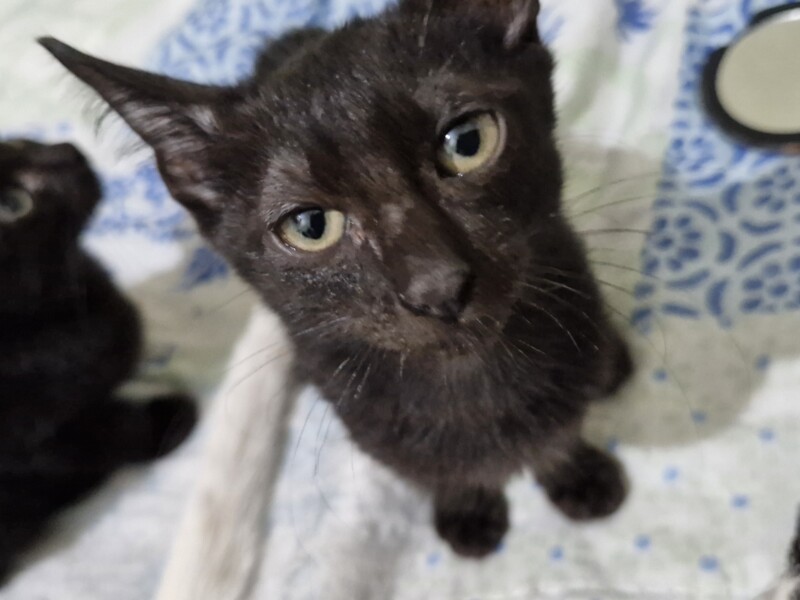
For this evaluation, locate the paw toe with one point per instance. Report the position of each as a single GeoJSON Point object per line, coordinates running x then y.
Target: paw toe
{"type": "Point", "coordinates": [594, 489]}
{"type": "Point", "coordinates": [477, 531]}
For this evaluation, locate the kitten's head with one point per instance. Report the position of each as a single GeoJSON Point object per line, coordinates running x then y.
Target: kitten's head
{"type": "Point", "coordinates": [397, 176]}
{"type": "Point", "coordinates": [47, 193]}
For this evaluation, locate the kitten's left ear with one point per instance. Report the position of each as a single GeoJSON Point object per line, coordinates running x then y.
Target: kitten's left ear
{"type": "Point", "coordinates": [517, 17]}
{"type": "Point", "coordinates": [178, 119]}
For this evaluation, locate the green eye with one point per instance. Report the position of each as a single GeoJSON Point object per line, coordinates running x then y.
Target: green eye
{"type": "Point", "coordinates": [470, 145]}
{"type": "Point", "coordinates": [313, 230]}
{"type": "Point", "coordinates": [15, 203]}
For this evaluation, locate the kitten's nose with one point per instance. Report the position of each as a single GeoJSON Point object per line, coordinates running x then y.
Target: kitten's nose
{"type": "Point", "coordinates": [438, 289]}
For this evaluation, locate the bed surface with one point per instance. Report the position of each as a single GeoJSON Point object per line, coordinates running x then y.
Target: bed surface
{"type": "Point", "coordinates": [702, 267]}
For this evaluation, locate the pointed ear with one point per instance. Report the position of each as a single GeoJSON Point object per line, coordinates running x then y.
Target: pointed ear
{"type": "Point", "coordinates": [516, 17]}
{"type": "Point", "coordinates": [179, 120]}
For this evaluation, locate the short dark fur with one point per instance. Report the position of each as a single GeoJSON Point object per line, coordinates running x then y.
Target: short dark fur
{"type": "Point", "coordinates": [456, 328]}
{"type": "Point", "coordinates": [68, 338]}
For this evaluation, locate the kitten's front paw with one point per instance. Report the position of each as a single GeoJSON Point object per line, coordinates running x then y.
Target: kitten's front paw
{"type": "Point", "coordinates": [592, 486]}
{"type": "Point", "coordinates": [476, 528]}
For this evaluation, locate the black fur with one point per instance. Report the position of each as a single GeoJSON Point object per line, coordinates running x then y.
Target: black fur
{"type": "Point", "coordinates": [68, 338]}
{"type": "Point", "coordinates": [456, 327]}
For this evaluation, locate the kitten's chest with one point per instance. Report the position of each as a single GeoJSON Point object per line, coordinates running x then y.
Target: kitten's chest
{"type": "Point", "coordinates": [431, 423]}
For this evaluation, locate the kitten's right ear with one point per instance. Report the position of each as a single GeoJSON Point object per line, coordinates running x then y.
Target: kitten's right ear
{"type": "Point", "coordinates": [178, 119]}
{"type": "Point", "coordinates": [516, 17]}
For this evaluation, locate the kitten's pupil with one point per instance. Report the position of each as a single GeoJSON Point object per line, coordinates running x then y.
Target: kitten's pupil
{"type": "Point", "coordinates": [468, 143]}
{"type": "Point", "coordinates": [311, 223]}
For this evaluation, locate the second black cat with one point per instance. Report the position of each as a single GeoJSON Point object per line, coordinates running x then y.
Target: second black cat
{"type": "Point", "coordinates": [68, 338]}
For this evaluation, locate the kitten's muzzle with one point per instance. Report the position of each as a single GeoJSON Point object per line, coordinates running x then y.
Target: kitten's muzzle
{"type": "Point", "coordinates": [440, 291]}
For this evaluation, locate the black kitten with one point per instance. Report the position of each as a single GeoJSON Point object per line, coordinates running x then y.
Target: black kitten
{"type": "Point", "coordinates": [67, 340]}
{"type": "Point", "coordinates": [392, 190]}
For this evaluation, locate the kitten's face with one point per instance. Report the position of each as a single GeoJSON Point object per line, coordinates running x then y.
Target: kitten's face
{"type": "Point", "coordinates": [411, 193]}
{"type": "Point", "coordinates": [47, 193]}
{"type": "Point", "coordinates": [397, 180]}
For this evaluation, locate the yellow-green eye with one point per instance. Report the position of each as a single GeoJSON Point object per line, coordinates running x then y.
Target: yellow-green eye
{"type": "Point", "coordinates": [471, 144]}
{"type": "Point", "coordinates": [15, 203]}
{"type": "Point", "coordinates": [313, 230]}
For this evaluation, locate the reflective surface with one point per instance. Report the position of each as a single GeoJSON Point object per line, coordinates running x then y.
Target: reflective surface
{"type": "Point", "coordinates": [758, 80]}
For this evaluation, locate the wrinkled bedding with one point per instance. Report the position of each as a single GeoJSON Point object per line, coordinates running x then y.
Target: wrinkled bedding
{"type": "Point", "coordinates": [697, 241]}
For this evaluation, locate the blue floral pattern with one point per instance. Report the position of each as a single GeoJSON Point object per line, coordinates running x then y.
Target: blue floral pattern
{"type": "Point", "coordinates": [634, 16]}
{"type": "Point", "coordinates": [725, 236]}
{"type": "Point", "coordinates": [205, 266]}
{"type": "Point", "coordinates": [220, 39]}
{"type": "Point", "coordinates": [138, 202]}
{"type": "Point", "coordinates": [724, 242]}
{"type": "Point", "coordinates": [550, 24]}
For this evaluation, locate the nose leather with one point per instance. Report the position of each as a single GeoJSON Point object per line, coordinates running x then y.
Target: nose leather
{"type": "Point", "coordinates": [437, 288]}
{"type": "Point", "coordinates": [428, 264]}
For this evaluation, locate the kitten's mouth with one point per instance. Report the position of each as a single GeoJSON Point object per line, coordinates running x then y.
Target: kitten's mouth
{"type": "Point", "coordinates": [466, 335]}
{"type": "Point", "coordinates": [470, 343]}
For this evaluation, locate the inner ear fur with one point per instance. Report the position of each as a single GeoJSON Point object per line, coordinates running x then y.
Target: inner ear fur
{"type": "Point", "coordinates": [517, 18]}
{"type": "Point", "coordinates": [178, 119]}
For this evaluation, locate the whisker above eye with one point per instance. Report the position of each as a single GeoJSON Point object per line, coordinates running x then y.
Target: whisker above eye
{"type": "Point", "coordinates": [604, 263]}
{"type": "Point", "coordinates": [595, 249]}
{"type": "Point", "coordinates": [597, 189]}
{"type": "Point", "coordinates": [215, 309]}
{"type": "Point", "coordinates": [612, 230]}
{"type": "Point", "coordinates": [614, 286]}
{"type": "Point", "coordinates": [595, 209]}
